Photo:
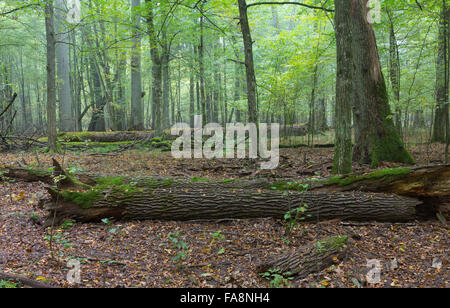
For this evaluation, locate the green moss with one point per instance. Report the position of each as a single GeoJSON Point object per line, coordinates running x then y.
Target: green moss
{"type": "Point", "coordinates": [227, 181]}
{"type": "Point", "coordinates": [39, 172]}
{"type": "Point", "coordinates": [153, 183]}
{"type": "Point", "coordinates": [109, 181]}
{"type": "Point", "coordinates": [86, 199]}
{"type": "Point", "coordinates": [331, 243]}
{"type": "Point", "coordinates": [385, 174]}
{"type": "Point", "coordinates": [197, 179]}
{"type": "Point", "coordinates": [74, 136]}
{"type": "Point", "coordinates": [83, 199]}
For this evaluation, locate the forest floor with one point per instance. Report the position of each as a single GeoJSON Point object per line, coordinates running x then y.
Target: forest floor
{"type": "Point", "coordinates": [218, 254]}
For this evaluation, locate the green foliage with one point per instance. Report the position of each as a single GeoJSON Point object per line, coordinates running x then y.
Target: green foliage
{"type": "Point", "coordinates": [5, 284]}
{"type": "Point", "coordinates": [67, 224]}
{"type": "Point", "coordinates": [277, 279]}
{"type": "Point", "coordinates": [178, 242]}
{"type": "Point", "coordinates": [293, 217]}
{"type": "Point", "coordinates": [59, 237]}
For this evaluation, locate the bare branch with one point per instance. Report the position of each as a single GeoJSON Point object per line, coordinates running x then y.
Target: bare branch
{"type": "Point", "coordinates": [291, 3]}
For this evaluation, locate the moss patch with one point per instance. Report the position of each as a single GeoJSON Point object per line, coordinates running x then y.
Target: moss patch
{"type": "Point", "coordinates": [112, 185]}
{"type": "Point", "coordinates": [386, 174]}
{"type": "Point", "coordinates": [331, 243]}
{"type": "Point", "coordinates": [84, 199]}
{"type": "Point", "coordinates": [196, 179]}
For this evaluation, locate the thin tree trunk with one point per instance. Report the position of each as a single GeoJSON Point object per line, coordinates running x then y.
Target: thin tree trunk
{"type": "Point", "coordinates": [344, 90]}
{"type": "Point", "coordinates": [249, 64]}
{"type": "Point", "coordinates": [137, 107]}
{"type": "Point", "coordinates": [51, 75]}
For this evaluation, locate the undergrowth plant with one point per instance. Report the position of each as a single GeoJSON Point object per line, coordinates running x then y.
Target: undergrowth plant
{"type": "Point", "coordinates": [276, 278]}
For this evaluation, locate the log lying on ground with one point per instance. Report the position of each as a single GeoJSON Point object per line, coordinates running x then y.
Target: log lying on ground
{"type": "Point", "coordinates": [113, 136]}
{"type": "Point", "coordinates": [307, 260]}
{"type": "Point", "coordinates": [430, 184]}
{"type": "Point", "coordinates": [185, 200]}
{"type": "Point", "coordinates": [424, 181]}
{"type": "Point", "coordinates": [147, 135]}
{"type": "Point", "coordinates": [46, 176]}
{"type": "Point", "coordinates": [202, 199]}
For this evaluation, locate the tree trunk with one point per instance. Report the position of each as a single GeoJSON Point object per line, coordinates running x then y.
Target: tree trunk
{"type": "Point", "coordinates": [51, 75]}
{"type": "Point", "coordinates": [166, 83]}
{"type": "Point", "coordinates": [420, 193]}
{"type": "Point", "coordinates": [249, 65]}
{"type": "Point", "coordinates": [137, 107]}
{"type": "Point", "coordinates": [156, 70]}
{"type": "Point", "coordinates": [202, 73]}
{"type": "Point", "coordinates": [376, 138]}
{"type": "Point", "coordinates": [442, 79]}
{"type": "Point", "coordinates": [66, 118]}
{"type": "Point", "coordinates": [97, 123]}
{"type": "Point", "coordinates": [394, 72]}
{"type": "Point", "coordinates": [344, 90]}
{"type": "Point", "coordinates": [182, 201]}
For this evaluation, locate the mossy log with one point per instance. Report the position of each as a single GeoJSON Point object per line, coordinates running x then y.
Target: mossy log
{"type": "Point", "coordinates": [187, 200]}
{"type": "Point", "coordinates": [307, 260]}
{"type": "Point", "coordinates": [421, 182]}
{"type": "Point", "coordinates": [46, 176]}
{"type": "Point", "coordinates": [429, 184]}
{"type": "Point", "coordinates": [110, 136]}
{"type": "Point", "coordinates": [419, 192]}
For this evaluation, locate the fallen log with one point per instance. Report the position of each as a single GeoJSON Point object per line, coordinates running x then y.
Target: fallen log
{"type": "Point", "coordinates": [200, 199]}
{"type": "Point", "coordinates": [306, 260]}
{"type": "Point", "coordinates": [26, 281]}
{"type": "Point", "coordinates": [429, 184]}
{"type": "Point", "coordinates": [46, 176]}
{"type": "Point", "coordinates": [185, 200]}
{"type": "Point", "coordinates": [422, 182]}
{"type": "Point", "coordinates": [107, 137]}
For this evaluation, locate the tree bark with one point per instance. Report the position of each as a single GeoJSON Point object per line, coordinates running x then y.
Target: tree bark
{"type": "Point", "coordinates": [442, 79]}
{"type": "Point", "coordinates": [344, 90]}
{"type": "Point", "coordinates": [420, 193]}
{"type": "Point", "coordinates": [137, 107]}
{"type": "Point", "coordinates": [249, 64]}
{"type": "Point", "coordinates": [66, 118]}
{"type": "Point", "coordinates": [156, 70]}
{"type": "Point", "coordinates": [376, 138]}
{"type": "Point", "coordinates": [195, 201]}
{"type": "Point", "coordinates": [308, 259]}
{"type": "Point", "coordinates": [51, 75]}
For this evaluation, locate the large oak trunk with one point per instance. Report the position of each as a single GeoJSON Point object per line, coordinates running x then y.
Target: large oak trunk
{"type": "Point", "coordinates": [419, 192]}
{"type": "Point", "coordinates": [181, 203]}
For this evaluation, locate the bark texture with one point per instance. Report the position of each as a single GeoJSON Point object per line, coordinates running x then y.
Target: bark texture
{"type": "Point", "coordinates": [307, 260]}
{"type": "Point", "coordinates": [419, 193]}
{"type": "Point", "coordinates": [198, 202]}
{"type": "Point", "coordinates": [376, 137]}
{"type": "Point", "coordinates": [344, 90]}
